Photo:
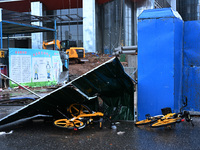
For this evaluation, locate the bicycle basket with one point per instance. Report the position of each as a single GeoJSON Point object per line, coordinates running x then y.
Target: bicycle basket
{"type": "Point", "coordinates": [166, 110]}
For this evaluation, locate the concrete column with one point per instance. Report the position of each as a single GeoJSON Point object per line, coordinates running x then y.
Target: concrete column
{"type": "Point", "coordinates": [128, 23]}
{"type": "Point", "coordinates": [37, 38]}
{"type": "Point", "coordinates": [89, 32]}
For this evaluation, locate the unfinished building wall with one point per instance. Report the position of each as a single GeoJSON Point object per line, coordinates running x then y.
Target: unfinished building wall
{"type": "Point", "coordinates": [37, 38]}
{"type": "Point", "coordinates": [189, 9]}
{"type": "Point", "coordinates": [116, 25]}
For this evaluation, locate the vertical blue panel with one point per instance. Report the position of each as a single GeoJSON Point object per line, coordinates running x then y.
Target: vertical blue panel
{"type": "Point", "coordinates": [178, 63]}
{"type": "Point", "coordinates": [191, 70]}
{"type": "Point", "coordinates": [1, 35]}
{"type": "Point", "coordinates": [1, 30]}
{"type": "Point", "coordinates": [159, 62]}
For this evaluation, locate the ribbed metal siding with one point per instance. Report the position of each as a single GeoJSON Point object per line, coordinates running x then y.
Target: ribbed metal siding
{"type": "Point", "coordinates": [189, 9]}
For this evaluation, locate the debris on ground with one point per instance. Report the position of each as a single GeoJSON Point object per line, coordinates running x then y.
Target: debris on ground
{"type": "Point", "coordinates": [19, 96]}
{"type": "Point", "coordinates": [3, 133]}
{"type": "Point", "coordinates": [120, 132]}
{"type": "Point", "coordinates": [113, 127]}
{"type": "Point", "coordinates": [117, 123]}
{"type": "Point", "coordinates": [20, 91]}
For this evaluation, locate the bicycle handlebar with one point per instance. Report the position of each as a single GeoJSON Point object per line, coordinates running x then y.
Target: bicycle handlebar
{"type": "Point", "coordinates": [184, 103]}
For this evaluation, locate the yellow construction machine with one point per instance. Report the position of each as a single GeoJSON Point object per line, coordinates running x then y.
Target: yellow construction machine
{"type": "Point", "coordinates": [76, 54]}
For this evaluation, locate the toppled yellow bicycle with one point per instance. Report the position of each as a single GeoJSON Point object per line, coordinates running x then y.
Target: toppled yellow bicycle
{"type": "Point", "coordinates": [81, 116]}
{"type": "Point", "coordinates": [167, 119]}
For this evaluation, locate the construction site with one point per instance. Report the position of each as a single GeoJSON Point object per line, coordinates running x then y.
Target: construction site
{"type": "Point", "coordinates": [108, 74]}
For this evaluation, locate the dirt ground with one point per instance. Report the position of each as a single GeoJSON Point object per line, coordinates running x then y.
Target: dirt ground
{"type": "Point", "coordinates": [94, 60]}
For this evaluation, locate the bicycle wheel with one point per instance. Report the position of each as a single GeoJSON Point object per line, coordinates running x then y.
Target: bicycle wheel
{"type": "Point", "coordinates": [144, 122]}
{"type": "Point", "coordinates": [77, 109]}
{"type": "Point", "coordinates": [187, 116]}
{"type": "Point", "coordinates": [149, 120]}
{"type": "Point", "coordinates": [165, 122]}
{"type": "Point", "coordinates": [65, 123]}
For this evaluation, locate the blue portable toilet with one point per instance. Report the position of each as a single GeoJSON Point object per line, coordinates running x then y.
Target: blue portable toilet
{"type": "Point", "coordinates": [160, 40]}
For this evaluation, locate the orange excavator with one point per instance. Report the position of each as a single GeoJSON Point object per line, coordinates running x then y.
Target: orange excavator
{"type": "Point", "coordinates": [76, 54]}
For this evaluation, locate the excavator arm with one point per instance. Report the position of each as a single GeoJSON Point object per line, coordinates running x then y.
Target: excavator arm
{"type": "Point", "coordinates": [46, 45]}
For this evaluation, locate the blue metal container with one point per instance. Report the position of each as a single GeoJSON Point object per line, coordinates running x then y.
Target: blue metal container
{"type": "Point", "coordinates": [160, 33]}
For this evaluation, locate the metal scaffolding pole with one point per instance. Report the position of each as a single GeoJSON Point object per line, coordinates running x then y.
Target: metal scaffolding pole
{"type": "Point", "coordinates": [8, 41]}
{"type": "Point", "coordinates": [55, 35]}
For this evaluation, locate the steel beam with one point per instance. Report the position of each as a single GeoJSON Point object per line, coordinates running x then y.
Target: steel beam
{"type": "Point", "coordinates": [55, 35]}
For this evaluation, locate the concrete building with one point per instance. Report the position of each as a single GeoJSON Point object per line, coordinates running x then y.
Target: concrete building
{"type": "Point", "coordinates": [189, 9]}
{"type": "Point", "coordinates": [97, 25]}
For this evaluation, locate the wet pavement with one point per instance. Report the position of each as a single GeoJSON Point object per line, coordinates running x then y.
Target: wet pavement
{"type": "Point", "coordinates": [45, 136]}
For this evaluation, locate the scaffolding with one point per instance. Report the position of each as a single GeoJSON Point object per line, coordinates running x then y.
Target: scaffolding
{"type": "Point", "coordinates": [12, 23]}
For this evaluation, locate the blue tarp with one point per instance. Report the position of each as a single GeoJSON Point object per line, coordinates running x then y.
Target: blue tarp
{"type": "Point", "coordinates": [160, 33]}
{"type": "Point", "coordinates": [191, 70]}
